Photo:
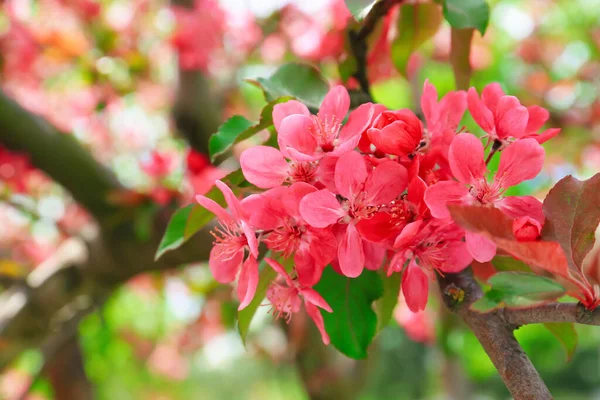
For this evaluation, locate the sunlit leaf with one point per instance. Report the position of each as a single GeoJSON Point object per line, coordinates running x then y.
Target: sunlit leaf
{"type": "Point", "coordinates": [359, 8]}
{"type": "Point", "coordinates": [566, 335]}
{"type": "Point", "coordinates": [301, 81]}
{"type": "Point", "coordinates": [462, 14]}
{"type": "Point", "coordinates": [416, 24]}
{"type": "Point", "coordinates": [227, 134]}
{"type": "Point", "coordinates": [384, 307]}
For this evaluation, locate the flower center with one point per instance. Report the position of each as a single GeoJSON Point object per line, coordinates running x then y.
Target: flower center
{"type": "Point", "coordinates": [229, 239]}
{"type": "Point", "coordinates": [286, 239]}
{"type": "Point", "coordinates": [303, 172]}
{"type": "Point", "coordinates": [325, 132]}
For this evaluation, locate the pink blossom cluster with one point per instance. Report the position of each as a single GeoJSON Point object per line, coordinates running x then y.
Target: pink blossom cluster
{"type": "Point", "coordinates": [372, 192]}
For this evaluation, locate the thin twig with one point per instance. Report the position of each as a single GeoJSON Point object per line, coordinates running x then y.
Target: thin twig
{"type": "Point", "coordinates": [553, 312]}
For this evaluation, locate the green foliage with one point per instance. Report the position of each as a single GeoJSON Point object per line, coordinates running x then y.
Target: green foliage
{"type": "Point", "coordinates": [384, 307]}
{"type": "Point", "coordinates": [238, 128]}
{"type": "Point", "coordinates": [359, 8]}
{"type": "Point", "coordinates": [518, 289]}
{"type": "Point", "coordinates": [226, 135]}
{"type": "Point", "coordinates": [353, 323]}
{"type": "Point", "coordinates": [462, 14]}
{"type": "Point", "coordinates": [187, 221]}
{"type": "Point", "coordinates": [417, 23]}
{"type": "Point", "coordinates": [301, 81]}
{"type": "Point", "coordinates": [566, 335]}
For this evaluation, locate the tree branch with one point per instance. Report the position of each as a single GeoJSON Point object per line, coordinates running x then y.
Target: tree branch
{"type": "Point", "coordinates": [553, 312]}
{"type": "Point", "coordinates": [459, 291]}
{"type": "Point", "coordinates": [59, 155]}
{"type": "Point", "coordinates": [358, 42]}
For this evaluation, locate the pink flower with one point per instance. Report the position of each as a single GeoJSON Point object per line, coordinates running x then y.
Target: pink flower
{"type": "Point", "coordinates": [359, 196]}
{"type": "Point", "coordinates": [520, 161]}
{"type": "Point", "coordinates": [233, 236]}
{"type": "Point", "coordinates": [286, 232]}
{"type": "Point", "coordinates": [397, 132]}
{"type": "Point", "coordinates": [431, 246]}
{"type": "Point", "coordinates": [305, 137]}
{"type": "Point", "coordinates": [287, 299]}
{"type": "Point", "coordinates": [503, 117]}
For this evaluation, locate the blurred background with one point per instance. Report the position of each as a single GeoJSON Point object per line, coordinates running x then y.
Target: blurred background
{"type": "Point", "coordinates": [120, 75]}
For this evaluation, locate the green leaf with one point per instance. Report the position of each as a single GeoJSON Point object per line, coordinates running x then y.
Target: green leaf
{"type": "Point", "coordinates": [360, 8]}
{"type": "Point", "coordinates": [301, 81]}
{"type": "Point", "coordinates": [462, 14]}
{"type": "Point", "coordinates": [416, 24]}
{"type": "Point", "coordinates": [174, 236]}
{"type": "Point", "coordinates": [266, 119]}
{"type": "Point", "coordinates": [517, 289]}
{"type": "Point", "coordinates": [353, 323]}
{"type": "Point", "coordinates": [187, 221]}
{"type": "Point", "coordinates": [384, 307]}
{"type": "Point", "coordinates": [526, 285]}
{"type": "Point", "coordinates": [566, 335]}
{"type": "Point", "coordinates": [267, 275]}
{"type": "Point", "coordinates": [226, 135]}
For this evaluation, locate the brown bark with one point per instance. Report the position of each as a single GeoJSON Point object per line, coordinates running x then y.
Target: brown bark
{"type": "Point", "coordinates": [459, 291]}
{"type": "Point", "coordinates": [67, 374]}
{"type": "Point", "coordinates": [553, 312]}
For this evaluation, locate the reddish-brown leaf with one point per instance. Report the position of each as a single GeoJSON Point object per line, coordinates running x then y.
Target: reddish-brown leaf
{"type": "Point", "coordinates": [572, 210]}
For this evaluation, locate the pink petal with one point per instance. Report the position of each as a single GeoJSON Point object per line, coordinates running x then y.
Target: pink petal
{"type": "Point", "coordinates": [481, 248]}
{"type": "Point", "coordinates": [526, 229]}
{"type": "Point", "coordinates": [308, 273]}
{"type": "Point", "coordinates": [335, 105]}
{"type": "Point", "coordinates": [326, 172]}
{"type": "Point", "coordinates": [282, 110]}
{"type": "Point", "coordinates": [416, 190]}
{"type": "Point", "coordinates": [248, 282]}
{"type": "Point", "coordinates": [374, 255]}
{"type": "Point", "coordinates": [292, 197]}
{"type": "Point", "coordinates": [378, 228]}
{"type": "Point", "coordinates": [350, 174]}
{"type": "Point", "coordinates": [358, 121]}
{"type": "Point", "coordinates": [511, 118]}
{"type": "Point", "coordinates": [415, 287]}
{"type": "Point", "coordinates": [451, 110]}
{"type": "Point", "coordinates": [279, 269]}
{"type": "Point", "coordinates": [323, 246]}
{"type": "Point", "coordinates": [311, 296]}
{"type": "Point", "coordinates": [350, 253]}
{"type": "Point", "coordinates": [546, 135]}
{"type": "Point", "coordinates": [314, 313]}
{"type": "Point", "coordinates": [491, 95]}
{"type": "Point", "coordinates": [397, 138]}
{"type": "Point", "coordinates": [429, 103]}
{"type": "Point", "coordinates": [406, 238]}
{"type": "Point", "coordinates": [235, 206]}
{"type": "Point", "coordinates": [439, 195]}
{"type": "Point", "coordinates": [344, 147]}
{"type": "Point", "coordinates": [458, 257]}
{"type": "Point", "coordinates": [522, 206]}
{"type": "Point", "coordinates": [386, 182]}
{"type": "Point", "coordinates": [264, 166]}
{"type": "Point", "coordinates": [321, 209]}
{"type": "Point", "coordinates": [265, 210]}
{"type": "Point", "coordinates": [520, 161]}
{"type": "Point", "coordinates": [222, 268]}
{"type": "Point", "coordinates": [537, 118]}
{"type": "Point", "coordinates": [466, 158]}
{"type": "Point", "coordinates": [251, 238]}
{"type": "Point", "coordinates": [481, 114]}
{"type": "Point", "coordinates": [294, 134]}
{"type": "Point", "coordinates": [214, 208]}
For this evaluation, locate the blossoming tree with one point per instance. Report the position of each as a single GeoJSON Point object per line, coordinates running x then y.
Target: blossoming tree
{"type": "Point", "coordinates": [339, 207]}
